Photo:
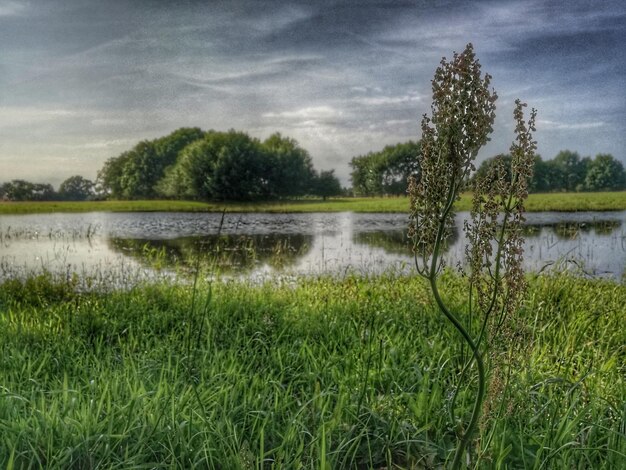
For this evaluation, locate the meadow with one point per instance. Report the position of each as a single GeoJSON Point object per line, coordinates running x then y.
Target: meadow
{"type": "Point", "coordinates": [566, 202]}
{"type": "Point", "coordinates": [317, 373]}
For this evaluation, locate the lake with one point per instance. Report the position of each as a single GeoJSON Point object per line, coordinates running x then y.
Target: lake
{"type": "Point", "coordinates": [139, 245]}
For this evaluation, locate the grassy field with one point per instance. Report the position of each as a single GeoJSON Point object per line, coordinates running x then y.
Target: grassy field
{"type": "Point", "coordinates": [568, 202]}
{"type": "Point", "coordinates": [317, 373]}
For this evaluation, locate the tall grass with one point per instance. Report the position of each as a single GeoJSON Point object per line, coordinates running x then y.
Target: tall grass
{"type": "Point", "coordinates": [316, 373]}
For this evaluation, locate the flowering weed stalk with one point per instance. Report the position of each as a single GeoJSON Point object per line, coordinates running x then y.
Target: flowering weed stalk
{"type": "Point", "coordinates": [463, 112]}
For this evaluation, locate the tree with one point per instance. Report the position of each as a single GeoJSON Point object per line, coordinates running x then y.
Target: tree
{"type": "Point", "coordinates": [547, 176]}
{"type": "Point", "coordinates": [367, 174]}
{"type": "Point", "coordinates": [291, 167]}
{"type": "Point", "coordinates": [193, 164]}
{"type": "Point", "coordinates": [387, 171]}
{"type": "Point", "coordinates": [76, 188]}
{"type": "Point", "coordinates": [240, 172]}
{"type": "Point", "coordinates": [18, 190]}
{"type": "Point", "coordinates": [605, 173]}
{"type": "Point", "coordinates": [573, 170]}
{"type": "Point", "coordinates": [22, 190]}
{"type": "Point", "coordinates": [401, 163]}
{"type": "Point", "coordinates": [135, 173]}
{"type": "Point", "coordinates": [221, 166]}
{"type": "Point", "coordinates": [327, 184]}
{"type": "Point", "coordinates": [109, 180]}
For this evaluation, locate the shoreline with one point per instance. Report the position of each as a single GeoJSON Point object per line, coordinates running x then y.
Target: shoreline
{"type": "Point", "coordinates": [553, 202]}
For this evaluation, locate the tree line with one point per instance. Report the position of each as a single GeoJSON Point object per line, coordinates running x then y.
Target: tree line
{"type": "Point", "coordinates": [386, 172]}
{"type": "Point", "coordinates": [567, 171]}
{"type": "Point", "coordinates": [232, 166]}
{"type": "Point", "coordinates": [193, 164]}
{"type": "Point", "coordinates": [74, 188]}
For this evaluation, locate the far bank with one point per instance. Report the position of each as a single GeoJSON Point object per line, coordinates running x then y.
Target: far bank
{"type": "Point", "coordinates": [559, 202]}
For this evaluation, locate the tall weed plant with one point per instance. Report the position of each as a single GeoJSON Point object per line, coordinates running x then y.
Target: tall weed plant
{"type": "Point", "coordinates": [462, 117]}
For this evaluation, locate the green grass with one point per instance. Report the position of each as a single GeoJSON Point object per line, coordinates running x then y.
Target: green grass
{"type": "Point", "coordinates": [568, 202]}
{"type": "Point", "coordinates": [315, 373]}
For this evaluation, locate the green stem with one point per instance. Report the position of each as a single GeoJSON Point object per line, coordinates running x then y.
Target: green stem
{"type": "Point", "coordinates": [467, 435]}
{"type": "Point", "coordinates": [465, 439]}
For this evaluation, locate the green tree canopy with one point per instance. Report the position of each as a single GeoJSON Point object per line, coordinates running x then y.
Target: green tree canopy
{"type": "Point", "coordinates": [76, 188]}
{"type": "Point", "coordinates": [568, 172]}
{"type": "Point", "coordinates": [386, 171]}
{"type": "Point", "coordinates": [135, 173]}
{"type": "Point", "coordinates": [572, 168]}
{"type": "Point", "coordinates": [292, 170]}
{"type": "Point", "coordinates": [605, 173]}
{"type": "Point", "coordinates": [326, 184]}
{"type": "Point", "coordinates": [190, 163]}
{"type": "Point", "coordinates": [223, 165]}
{"type": "Point", "coordinates": [22, 190]}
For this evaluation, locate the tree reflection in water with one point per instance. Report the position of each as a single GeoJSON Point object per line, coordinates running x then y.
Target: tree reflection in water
{"type": "Point", "coordinates": [225, 252]}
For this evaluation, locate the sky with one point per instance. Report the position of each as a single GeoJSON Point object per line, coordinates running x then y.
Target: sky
{"type": "Point", "coordinates": [82, 81]}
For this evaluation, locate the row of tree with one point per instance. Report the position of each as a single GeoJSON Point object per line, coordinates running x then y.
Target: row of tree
{"type": "Point", "coordinates": [386, 172]}
{"type": "Point", "coordinates": [569, 172]}
{"type": "Point", "coordinates": [194, 164]}
{"type": "Point", "coordinates": [75, 188]}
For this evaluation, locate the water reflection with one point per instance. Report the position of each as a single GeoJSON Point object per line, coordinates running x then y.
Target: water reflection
{"type": "Point", "coordinates": [267, 244]}
{"type": "Point", "coordinates": [570, 230]}
{"type": "Point", "coordinates": [397, 241]}
{"type": "Point", "coordinates": [226, 253]}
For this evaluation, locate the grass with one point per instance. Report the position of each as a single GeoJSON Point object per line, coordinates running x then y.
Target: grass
{"type": "Point", "coordinates": [567, 202]}
{"type": "Point", "coordinates": [308, 373]}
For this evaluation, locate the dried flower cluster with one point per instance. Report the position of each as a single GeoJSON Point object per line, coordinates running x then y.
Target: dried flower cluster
{"type": "Point", "coordinates": [495, 249]}
{"type": "Point", "coordinates": [497, 276]}
{"type": "Point", "coordinates": [463, 112]}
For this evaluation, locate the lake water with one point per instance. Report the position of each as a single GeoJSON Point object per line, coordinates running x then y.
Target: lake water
{"type": "Point", "coordinates": [268, 245]}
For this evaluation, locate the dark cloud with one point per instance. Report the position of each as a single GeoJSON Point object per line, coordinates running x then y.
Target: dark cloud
{"type": "Point", "coordinates": [82, 80]}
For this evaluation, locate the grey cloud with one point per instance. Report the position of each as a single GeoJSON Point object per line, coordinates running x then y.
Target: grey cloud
{"type": "Point", "coordinates": [342, 77]}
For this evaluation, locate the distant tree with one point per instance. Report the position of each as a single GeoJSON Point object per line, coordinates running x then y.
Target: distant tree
{"type": "Point", "coordinates": [326, 184]}
{"type": "Point", "coordinates": [193, 164]}
{"type": "Point", "coordinates": [547, 176]}
{"type": "Point", "coordinates": [291, 171]}
{"type": "Point", "coordinates": [401, 162]}
{"type": "Point", "coordinates": [573, 170]}
{"type": "Point", "coordinates": [135, 173]}
{"type": "Point", "coordinates": [109, 180]}
{"type": "Point", "coordinates": [43, 192]}
{"type": "Point", "coordinates": [605, 173]}
{"type": "Point", "coordinates": [386, 171]}
{"type": "Point", "coordinates": [367, 174]}
{"type": "Point", "coordinates": [568, 172]}
{"type": "Point", "coordinates": [76, 188]}
{"type": "Point", "coordinates": [142, 171]}
{"type": "Point", "coordinates": [22, 190]}
{"type": "Point", "coordinates": [223, 165]}
{"type": "Point", "coordinates": [18, 190]}
{"type": "Point", "coordinates": [168, 147]}
{"type": "Point", "coordinates": [240, 172]}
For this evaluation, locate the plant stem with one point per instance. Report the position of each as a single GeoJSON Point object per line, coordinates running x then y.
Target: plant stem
{"type": "Point", "coordinates": [456, 463]}
{"type": "Point", "coordinates": [467, 435]}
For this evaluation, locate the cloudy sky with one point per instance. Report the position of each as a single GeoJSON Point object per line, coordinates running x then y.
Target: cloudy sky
{"type": "Point", "coordinates": [84, 80]}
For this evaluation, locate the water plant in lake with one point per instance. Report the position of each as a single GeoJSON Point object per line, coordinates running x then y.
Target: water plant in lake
{"type": "Point", "coordinates": [463, 112]}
